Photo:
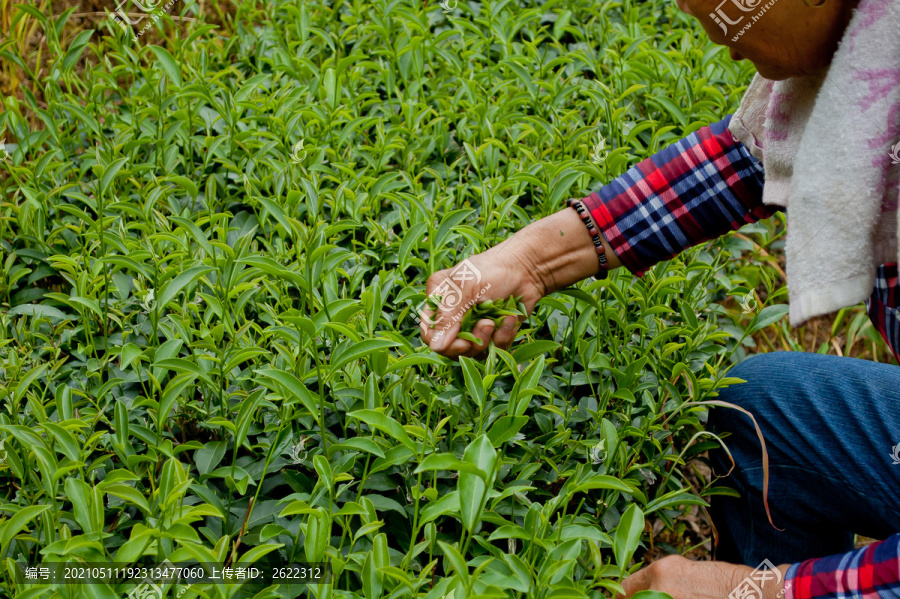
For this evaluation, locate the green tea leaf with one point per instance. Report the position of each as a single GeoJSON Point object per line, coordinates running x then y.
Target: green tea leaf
{"type": "Point", "coordinates": [769, 315]}
{"type": "Point", "coordinates": [385, 424]}
{"type": "Point", "coordinates": [481, 454]}
{"type": "Point", "coordinates": [359, 350]}
{"type": "Point", "coordinates": [110, 174]}
{"type": "Point", "coordinates": [168, 64]}
{"type": "Point", "coordinates": [171, 289]}
{"type": "Point", "coordinates": [628, 535]}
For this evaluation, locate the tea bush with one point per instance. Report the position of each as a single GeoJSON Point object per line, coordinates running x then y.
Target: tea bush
{"type": "Point", "coordinates": [213, 249]}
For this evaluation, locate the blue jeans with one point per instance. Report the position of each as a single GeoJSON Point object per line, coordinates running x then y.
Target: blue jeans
{"type": "Point", "coordinates": [830, 425]}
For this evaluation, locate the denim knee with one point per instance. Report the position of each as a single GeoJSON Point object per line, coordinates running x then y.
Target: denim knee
{"type": "Point", "coordinates": [754, 396]}
{"type": "Point", "coordinates": [756, 370]}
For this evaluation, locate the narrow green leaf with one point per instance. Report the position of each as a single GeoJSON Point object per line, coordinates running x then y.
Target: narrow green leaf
{"type": "Point", "coordinates": [356, 351]}
{"type": "Point", "coordinates": [209, 456]}
{"type": "Point", "coordinates": [294, 387]}
{"type": "Point", "coordinates": [180, 282]}
{"type": "Point", "coordinates": [473, 487]}
{"type": "Point", "coordinates": [769, 315]}
{"type": "Point", "coordinates": [505, 429]}
{"type": "Point", "coordinates": [474, 383]}
{"type": "Point", "coordinates": [448, 461]}
{"type": "Point", "coordinates": [39, 310]}
{"type": "Point", "coordinates": [168, 64]}
{"type": "Point", "coordinates": [110, 174]}
{"type": "Point", "coordinates": [189, 186]}
{"type": "Point", "coordinates": [361, 444]}
{"type": "Point", "coordinates": [628, 536]}
{"type": "Point", "coordinates": [76, 49]}
{"type": "Point", "coordinates": [386, 424]}
{"type": "Point", "coordinates": [129, 494]}
{"type": "Point", "coordinates": [18, 522]}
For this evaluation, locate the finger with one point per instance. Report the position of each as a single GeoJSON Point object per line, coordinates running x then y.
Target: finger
{"type": "Point", "coordinates": [435, 336]}
{"type": "Point", "coordinates": [456, 349]}
{"type": "Point", "coordinates": [430, 332]}
{"type": "Point", "coordinates": [426, 322]}
{"type": "Point", "coordinates": [447, 322]}
{"type": "Point", "coordinates": [442, 328]}
{"type": "Point", "coordinates": [504, 336]}
{"type": "Point", "coordinates": [424, 330]}
{"type": "Point", "coordinates": [444, 336]}
{"type": "Point", "coordinates": [483, 329]}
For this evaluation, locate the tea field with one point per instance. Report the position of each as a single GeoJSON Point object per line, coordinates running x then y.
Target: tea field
{"type": "Point", "coordinates": [216, 224]}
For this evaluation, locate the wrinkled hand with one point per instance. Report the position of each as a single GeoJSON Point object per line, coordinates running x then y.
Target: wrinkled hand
{"type": "Point", "coordinates": [686, 579]}
{"type": "Point", "coordinates": [491, 275]}
{"type": "Point", "coordinates": [549, 254]}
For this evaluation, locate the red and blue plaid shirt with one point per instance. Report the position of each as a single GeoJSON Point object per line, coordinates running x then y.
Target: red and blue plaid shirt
{"type": "Point", "coordinates": [699, 188]}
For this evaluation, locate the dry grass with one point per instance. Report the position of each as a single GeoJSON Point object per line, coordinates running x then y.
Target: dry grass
{"type": "Point", "coordinates": [846, 333]}
{"type": "Point", "coordinates": [29, 39]}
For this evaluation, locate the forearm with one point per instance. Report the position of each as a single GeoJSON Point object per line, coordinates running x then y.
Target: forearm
{"type": "Point", "coordinates": [698, 188]}
{"type": "Point", "coordinates": [683, 578]}
{"type": "Point", "coordinates": [560, 250]}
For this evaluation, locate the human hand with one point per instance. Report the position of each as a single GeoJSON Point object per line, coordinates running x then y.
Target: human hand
{"type": "Point", "coordinates": [495, 274]}
{"type": "Point", "coordinates": [547, 255]}
{"type": "Point", "coordinates": [686, 579]}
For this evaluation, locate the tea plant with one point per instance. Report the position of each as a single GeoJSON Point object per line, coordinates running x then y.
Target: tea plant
{"type": "Point", "coordinates": [212, 250]}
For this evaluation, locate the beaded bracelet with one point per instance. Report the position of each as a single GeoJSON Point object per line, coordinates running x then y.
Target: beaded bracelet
{"type": "Point", "coordinates": [595, 236]}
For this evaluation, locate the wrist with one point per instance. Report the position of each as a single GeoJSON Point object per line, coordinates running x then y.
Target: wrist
{"type": "Point", "coordinates": [770, 588]}
{"type": "Point", "coordinates": [557, 250]}
{"type": "Point", "coordinates": [783, 587]}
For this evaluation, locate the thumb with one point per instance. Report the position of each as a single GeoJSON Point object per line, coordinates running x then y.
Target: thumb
{"type": "Point", "coordinates": [456, 289]}
{"type": "Point", "coordinates": [447, 319]}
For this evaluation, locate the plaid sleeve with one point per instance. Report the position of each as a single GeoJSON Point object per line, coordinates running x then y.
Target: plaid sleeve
{"type": "Point", "coordinates": [866, 573]}
{"type": "Point", "coordinates": [884, 306]}
{"type": "Point", "coordinates": [698, 188]}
